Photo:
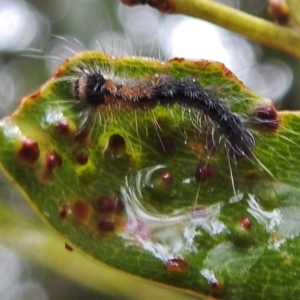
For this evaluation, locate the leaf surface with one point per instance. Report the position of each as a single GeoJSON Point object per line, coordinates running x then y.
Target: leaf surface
{"type": "Point", "coordinates": [157, 191]}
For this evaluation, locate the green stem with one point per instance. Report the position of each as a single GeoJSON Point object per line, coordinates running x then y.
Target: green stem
{"type": "Point", "coordinates": [282, 38]}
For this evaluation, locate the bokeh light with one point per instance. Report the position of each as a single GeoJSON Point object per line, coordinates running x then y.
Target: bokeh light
{"type": "Point", "coordinates": [21, 26]}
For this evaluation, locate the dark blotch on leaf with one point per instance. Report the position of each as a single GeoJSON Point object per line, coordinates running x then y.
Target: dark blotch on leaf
{"type": "Point", "coordinates": [240, 233]}
{"type": "Point", "coordinates": [203, 172]}
{"type": "Point", "coordinates": [62, 127]}
{"type": "Point", "coordinates": [29, 152]}
{"type": "Point", "coordinates": [81, 210]}
{"type": "Point", "coordinates": [52, 160]}
{"type": "Point", "coordinates": [82, 158]}
{"type": "Point", "coordinates": [267, 118]}
{"type": "Point", "coordinates": [106, 225]}
{"type": "Point", "coordinates": [64, 211]}
{"type": "Point", "coordinates": [177, 265]}
{"type": "Point", "coordinates": [105, 204]}
{"type": "Point", "coordinates": [68, 247]}
{"type": "Point", "coordinates": [116, 143]}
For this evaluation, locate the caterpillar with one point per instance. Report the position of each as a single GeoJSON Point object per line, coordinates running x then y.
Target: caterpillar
{"type": "Point", "coordinates": [94, 89]}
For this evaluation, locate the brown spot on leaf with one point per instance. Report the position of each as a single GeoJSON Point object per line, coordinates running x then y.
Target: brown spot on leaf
{"type": "Point", "coordinates": [52, 160]}
{"type": "Point", "coordinates": [106, 225]}
{"type": "Point", "coordinates": [29, 152]}
{"type": "Point", "coordinates": [81, 210]}
{"type": "Point", "coordinates": [203, 172]}
{"type": "Point", "coordinates": [105, 204]}
{"type": "Point", "coordinates": [82, 158]}
{"type": "Point", "coordinates": [267, 118]}
{"type": "Point", "coordinates": [68, 247]}
{"type": "Point", "coordinates": [62, 126]}
{"type": "Point", "coordinates": [176, 265]}
{"type": "Point", "coordinates": [64, 211]}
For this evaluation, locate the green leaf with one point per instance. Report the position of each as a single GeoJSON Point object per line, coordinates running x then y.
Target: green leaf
{"type": "Point", "coordinates": [39, 244]}
{"type": "Point", "coordinates": [157, 191]}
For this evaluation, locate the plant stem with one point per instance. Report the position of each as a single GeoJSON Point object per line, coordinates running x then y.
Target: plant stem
{"type": "Point", "coordinates": [265, 32]}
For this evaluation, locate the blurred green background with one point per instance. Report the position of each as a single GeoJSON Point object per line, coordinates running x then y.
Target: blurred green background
{"type": "Point", "coordinates": [36, 36]}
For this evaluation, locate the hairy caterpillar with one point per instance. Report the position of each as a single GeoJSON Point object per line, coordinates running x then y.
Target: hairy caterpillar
{"type": "Point", "coordinates": [95, 89]}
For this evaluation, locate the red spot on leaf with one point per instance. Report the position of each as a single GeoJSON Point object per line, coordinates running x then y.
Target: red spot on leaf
{"type": "Point", "coordinates": [116, 142]}
{"type": "Point", "coordinates": [82, 158]}
{"type": "Point", "coordinates": [166, 178]}
{"type": "Point", "coordinates": [245, 223]}
{"type": "Point", "coordinates": [52, 160]}
{"type": "Point", "coordinates": [105, 204]}
{"type": "Point", "coordinates": [29, 152]}
{"type": "Point", "coordinates": [176, 265]}
{"type": "Point", "coordinates": [62, 127]}
{"type": "Point", "coordinates": [267, 118]}
{"type": "Point", "coordinates": [81, 210]}
{"type": "Point", "coordinates": [203, 172]}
